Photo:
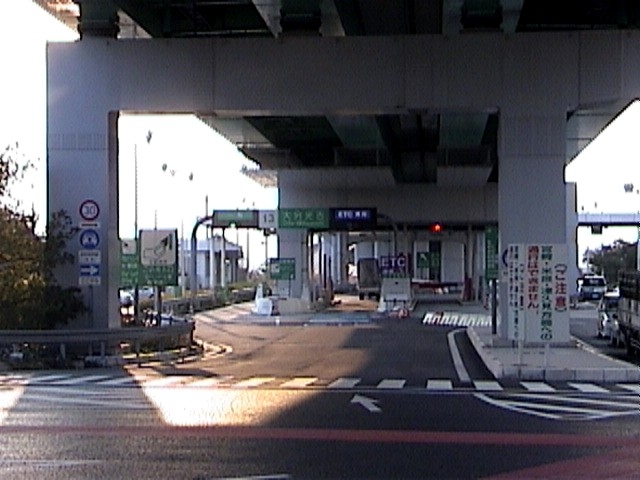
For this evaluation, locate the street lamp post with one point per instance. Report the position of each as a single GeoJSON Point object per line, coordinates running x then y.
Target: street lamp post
{"type": "Point", "coordinates": [183, 273]}
{"type": "Point", "coordinates": [629, 188]}
{"type": "Point", "coordinates": [136, 289]}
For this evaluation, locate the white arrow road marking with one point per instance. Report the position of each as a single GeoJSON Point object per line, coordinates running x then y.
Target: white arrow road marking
{"type": "Point", "coordinates": [366, 402]}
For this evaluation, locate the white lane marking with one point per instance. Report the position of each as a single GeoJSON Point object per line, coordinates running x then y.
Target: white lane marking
{"type": "Point", "coordinates": [463, 375]}
{"type": "Point", "coordinates": [538, 387]}
{"type": "Point", "coordinates": [631, 387]}
{"type": "Point", "coordinates": [253, 382]}
{"type": "Point", "coordinates": [487, 385]}
{"type": "Point", "coordinates": [439, 385]}
{"type": "Point", "coordinates": [44, 463]}
{"type": "Point", "coordinates": [391, 384]}
{"type": "Point", "coordinates": [549, 411]}
{"type": "Point", "coordinates": [78, 380]}
{"type": "Point", "coordinates": [344, 383]}
{"type": "Point", "coordinates": [299, 382]}
{"type": "Point", "coordinates": [121, 381]}
{"type": "Point", "coordinates": [588, 388]}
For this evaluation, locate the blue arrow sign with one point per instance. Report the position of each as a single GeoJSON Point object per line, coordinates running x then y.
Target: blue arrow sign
{"type": "Point", "coordinates": [89, 239]}
{"type": "Point", "coordinates": [89, 270]}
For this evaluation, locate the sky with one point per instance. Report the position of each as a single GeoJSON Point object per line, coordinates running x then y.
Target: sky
{"type": "Point", "coordinates": [186, 146]}
{"type": "Point", "coordinates": [181, 142]}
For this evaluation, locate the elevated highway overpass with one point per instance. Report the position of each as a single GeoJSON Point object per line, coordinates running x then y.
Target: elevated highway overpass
{"type": "Point", "coordinates": [431, 111]}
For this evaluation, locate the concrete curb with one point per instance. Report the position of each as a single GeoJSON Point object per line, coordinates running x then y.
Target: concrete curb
{"type": "Point", "coordinates": [620, 371]}
{"type": "Point", "coordinates": [491, 362]}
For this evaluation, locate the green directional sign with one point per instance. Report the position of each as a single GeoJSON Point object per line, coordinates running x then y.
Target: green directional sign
{"type": "Point", "coordinates": [129, 268]}
{"type": "Point", "coordinates": [237, 218]}
{"type": "Point", "coordinates": [282, 268]}
{"type": "Point", "coordinates": [308, 218]}
{"type": "Point", "coordinates": [423, 260]}
{"type": "Point", "coordinates": [428, 260]}
{"type": "Point", "coordinates": [160, 272]}
{"type": "Point", "coordinates": [491, 252]}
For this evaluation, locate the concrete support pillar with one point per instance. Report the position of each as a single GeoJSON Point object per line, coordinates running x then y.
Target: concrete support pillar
{"type": "Point", "coordinates": [212, 262]}
{"type": "Point", "coordinates": [532, 193]}
{"type": "Point", "coordinates": [292, 244]}
{"type": "Point", "coordinates": [98, 18]}
{"type": "Point", "coordinates": [572, 238]}
{"type": "Point", "coordinates": [223, 260]}
{"type": "Point", "coordinates": [469, 255]}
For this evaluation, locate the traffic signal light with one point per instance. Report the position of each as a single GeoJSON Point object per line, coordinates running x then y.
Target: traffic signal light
{"type": "Point", "coordinates": [436, 228]}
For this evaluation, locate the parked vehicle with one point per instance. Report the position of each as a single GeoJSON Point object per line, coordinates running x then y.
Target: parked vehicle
{"type": "Point", "coordinates": [629, 310]}
{"type": "Point", "coordinates": [369, 278]}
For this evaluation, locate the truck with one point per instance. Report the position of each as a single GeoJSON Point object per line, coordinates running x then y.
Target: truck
{"type": "Point", "coordinates": [629, 310]}
{"type": "Point", "coordinates": [369, 278]}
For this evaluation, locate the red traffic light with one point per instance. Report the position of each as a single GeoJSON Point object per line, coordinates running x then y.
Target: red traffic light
{"type": "Point", "coordinates": [436, 228]}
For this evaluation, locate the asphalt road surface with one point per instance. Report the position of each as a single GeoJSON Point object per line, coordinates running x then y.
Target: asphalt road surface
{"type": "Point", "coordinates": [384, 399]}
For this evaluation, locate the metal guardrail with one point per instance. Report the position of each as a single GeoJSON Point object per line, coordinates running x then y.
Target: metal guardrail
{"type": "Point", "coordinates": [110, 336]}
{"type": "Point", "coordinates": [172, 331]}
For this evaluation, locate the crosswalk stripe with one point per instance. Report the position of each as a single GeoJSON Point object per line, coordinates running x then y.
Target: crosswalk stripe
{"type": "Point", "coordinates": [631, 387]}
{"type": "Point", "coordinates": [120, 381]}
{"type": "Point", "coordinates": [78, 380]}
{"type": "Point", "coordinates": [48, 378]}
{"type": "Point", "coordinates": [254, 382]}
{"type": "Point", "coordinates": [205, 382]}
{"type": "Point", "coordinates": [344, 383]}
{"type": "Point", "coordinates": [63, 380]}
{"type": "Point", "coordinates": [439, 385]}
{"type": "Point", "coordinates": [163, 381]}
{"type": "Point", "coordinates": [537, 387]}
{"type": "Point", "coordinates": [487, 385]}
{"type": "Point", "coordinates": [390, 383]}
{"type": "Point", "coordinates": [299, 382]}
{"type": "Point", "coordinates": [588, 388]}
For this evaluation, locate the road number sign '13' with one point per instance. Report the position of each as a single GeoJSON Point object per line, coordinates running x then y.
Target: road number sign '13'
{"type": "Point", "coordinates": [268, 219]}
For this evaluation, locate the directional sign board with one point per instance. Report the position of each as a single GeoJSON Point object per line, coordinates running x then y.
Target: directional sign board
{"type": "Point", "coordinates": [158, 257]}
{"type": "Point", "coordinates": [158, 247]}
{"type": "Point", "coordinates": [423, 259]}
{"type": "Point", "coordinates": [129, 265]}
{"type": "Point", "coordinates": [282, 268]}
{"type": "Point", "coordinates": [307, 218]}
{"type": "Point", "coordinates": [491, 253]}
{"type": "Point", "coordinates": [237, 218]}
{"type": "Point", "coordinates": [89, 275]}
